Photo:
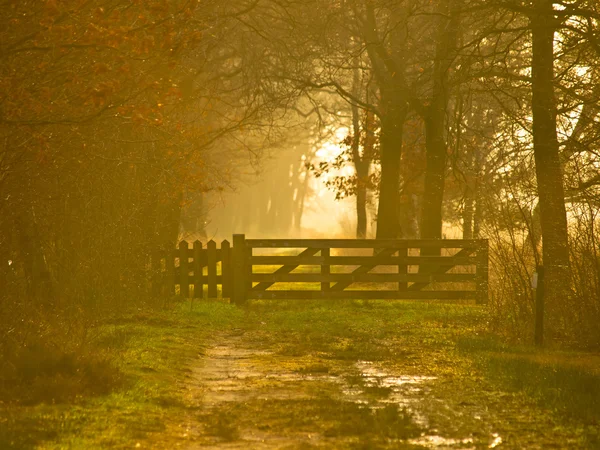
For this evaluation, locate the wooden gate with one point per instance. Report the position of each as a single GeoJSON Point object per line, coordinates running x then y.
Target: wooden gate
{"type": "Point", "coordinates": [326, 268]}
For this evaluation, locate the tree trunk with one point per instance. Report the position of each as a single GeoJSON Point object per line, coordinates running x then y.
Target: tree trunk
{"type": "Point", "coordinates": [362, 173]}
{"type": "Point", "coordinates": [435, 128]}
{"type": "Point", "coordinates": [468, 213]}
{"type": "Point", "coordinates": [394, 107]}
{"type": "Point", "coordinates": [361, 162]}
{"type": "Point", "coordinates": [388, 223]}
{"type": "Point", "coordinates": [478, 213]}
{"type": "Point", "coordinates": [553, 217]}
{"type": "Point", "coordinates": [362, 168]}
{"type": "Point", "coordinates": [431, 214]}
{"type": "Point", "coordinates": [470, 197]}
{"type": "Point", "coordinates": [534, 235]}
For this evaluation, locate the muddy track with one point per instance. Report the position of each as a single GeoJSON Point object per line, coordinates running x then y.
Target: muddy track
{"type": "Point", "coordinates": [253, 395]}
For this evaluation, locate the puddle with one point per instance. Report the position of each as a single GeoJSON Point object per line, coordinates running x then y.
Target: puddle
{"type": "Point", "coordinates": [368, 370]}
{"type": "Point", "coordinates": [402, 387]}
{"type": "Point", "coordinates": [375, 376]}
{"type": "Point", "coordinates": [435, 441]}
{"type": "Point", "coordinates": [235, 373]}
{"type": "Point", "coordinates": [407, 391]}
{"type": "Point", "coordinates": [232, 373]}
{"type": "Point", "coordinates": [301, 377]}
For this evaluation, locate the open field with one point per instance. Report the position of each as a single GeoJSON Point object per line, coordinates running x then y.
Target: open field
{"type": "Point", "coordinates": [318, 374]}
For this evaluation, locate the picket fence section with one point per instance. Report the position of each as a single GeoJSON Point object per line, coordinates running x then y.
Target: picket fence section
{"type": "Point", "coordinates": [186, 270]}
{"type": "Point", "coordinates": [416, 269]}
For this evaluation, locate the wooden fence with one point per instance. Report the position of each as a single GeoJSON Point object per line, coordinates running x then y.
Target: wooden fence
{"type": "Point", "coordinates": [188, 269]}
{"type": "Point", "coordinates": [322, 268]}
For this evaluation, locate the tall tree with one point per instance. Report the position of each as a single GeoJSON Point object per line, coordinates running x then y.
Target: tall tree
{"type": "Point", "coordinates": [546, 151]}
{"type": "Point", "coordinates": [435, 121]}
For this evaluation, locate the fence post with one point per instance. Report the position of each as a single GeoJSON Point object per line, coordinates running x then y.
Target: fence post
{"type": "Point", "coordinates": [184, 269]}
{"type": "Point", "coordinates": [249, 268]}
{"type": "Point", "coordinates": [481, 274]}
{"type": "Point", "coordinates": [211, 262]}
{"type": "Point", "coordinates": [198, 288]}
{"type": "Point", "coordinates": [239, 269]}
{"type": "Point", "coordinates": [402, 269]}
{"type": "Point", "coordinates": [226, 269]}
{"type": "Point", "coordinates": [539, 307]}
{"type": "Point", "coordinates": [170, 270]}
{"type": "Point", "coordinates": [325, 268]}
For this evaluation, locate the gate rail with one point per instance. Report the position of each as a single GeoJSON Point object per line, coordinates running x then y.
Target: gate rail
{"type": "Point", "coordinates": [415, 267]}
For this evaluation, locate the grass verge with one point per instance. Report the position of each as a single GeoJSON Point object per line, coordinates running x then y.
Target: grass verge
{"type": "Point", "coordinates": [564, 381]}
{"type": "Point", "coordinates": [146, 354]}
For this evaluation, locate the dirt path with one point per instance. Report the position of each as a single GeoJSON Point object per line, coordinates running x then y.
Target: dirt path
{"type": "Point", "coordinates": [254, 391]}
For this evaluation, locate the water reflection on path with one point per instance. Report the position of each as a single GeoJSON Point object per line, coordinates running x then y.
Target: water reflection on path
{"type": "Point", "coordinates": [407, 391]}
{"type": "Point", "coordinates": [233, 373]}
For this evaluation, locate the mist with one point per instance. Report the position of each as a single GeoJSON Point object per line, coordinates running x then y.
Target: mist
{"type": "Point", "coordinates": [377, 204]}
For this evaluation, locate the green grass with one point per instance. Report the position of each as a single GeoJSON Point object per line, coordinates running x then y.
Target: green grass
{"type": "Point", "coordinates": [146, 401]}
{"type": "Point", "coordinates": [150, 355]}
{"type": "Point", "coordinates": [561, 383]}
{"type": "Point", "coordinates": [568, 382]}
{"type": "Point", "coordinates": [354, 330]}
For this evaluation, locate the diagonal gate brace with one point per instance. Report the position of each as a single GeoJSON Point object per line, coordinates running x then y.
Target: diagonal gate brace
{"type": "Point", "coordinates": [340, 286]}
{"type": "Point", "coordinates": [263, 286]}
{"type": "Point", "coordinates": [438, 270]}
